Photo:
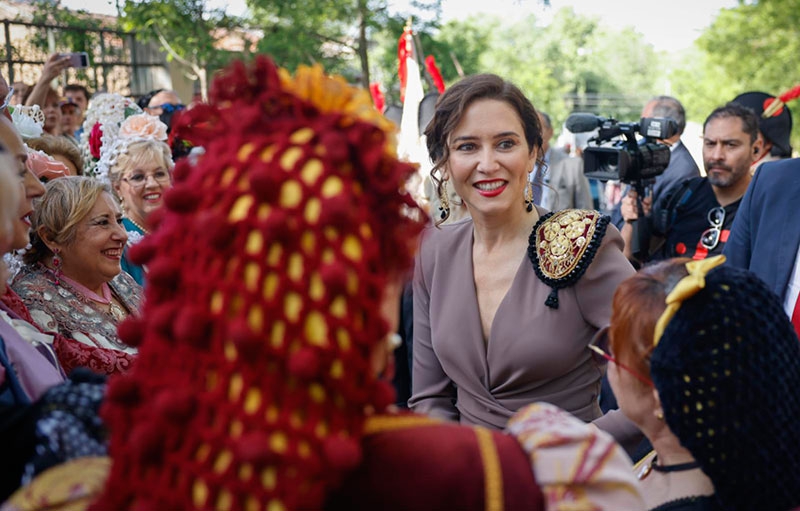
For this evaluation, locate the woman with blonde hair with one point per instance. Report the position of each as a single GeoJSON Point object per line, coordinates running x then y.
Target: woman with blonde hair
{"type": "Point", "coordinates": [140, 171]}
{"type": "Point", "coordinates": [72, 282]}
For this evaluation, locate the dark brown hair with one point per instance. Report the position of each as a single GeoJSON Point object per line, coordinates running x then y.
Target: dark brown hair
{"type": "Point", "coordinates": [452, 105]}
{"type": "Point", "coordinates": [638, 303]}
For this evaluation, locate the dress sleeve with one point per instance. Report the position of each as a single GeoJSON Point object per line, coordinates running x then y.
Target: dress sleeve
{"type": "Point", "coordinates": [596, 287]}
{"type": "Point", "coordinates": [432, 391]}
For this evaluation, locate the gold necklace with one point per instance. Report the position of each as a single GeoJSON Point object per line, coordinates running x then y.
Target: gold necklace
{"type": "Point", "coordinates": [131, 220]}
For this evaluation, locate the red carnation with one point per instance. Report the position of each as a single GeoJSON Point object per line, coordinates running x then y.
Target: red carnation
{"type": "Point", "coordinates": [96, 140]}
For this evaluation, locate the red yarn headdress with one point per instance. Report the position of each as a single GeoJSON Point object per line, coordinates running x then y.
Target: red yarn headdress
{"type": "Point", "coordinates": [266, 272]}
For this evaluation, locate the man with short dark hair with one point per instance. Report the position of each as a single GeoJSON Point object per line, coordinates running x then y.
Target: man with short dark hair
{"type": "Point", "coordinates": [693, 219]}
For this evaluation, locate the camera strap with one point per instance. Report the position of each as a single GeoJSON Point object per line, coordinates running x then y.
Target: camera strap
{"type": "Point", "coordinates": [675, 200]}
{"type": "Point", "coordinates": [562, 245]}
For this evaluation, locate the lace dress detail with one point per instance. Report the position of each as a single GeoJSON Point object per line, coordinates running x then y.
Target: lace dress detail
{"type": "Point", "coordinates": [59, 308]}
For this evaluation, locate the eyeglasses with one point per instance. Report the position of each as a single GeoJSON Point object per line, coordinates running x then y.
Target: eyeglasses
{"type": "Point", "coordinates": [138, 180]}
{"type": "Point", "coordinates": [599, 348]}
{"type": "Point", "coordinates": [710, 237]}
{"type": "Point", "coordinates": [169, 107]}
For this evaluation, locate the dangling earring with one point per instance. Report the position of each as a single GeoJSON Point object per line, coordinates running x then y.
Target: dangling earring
{"type": "Point", "coordinates": [444, 201]}
{"type": "Point", "coordinates": [529, 197]}
{"type": "Point", "coordinates": [57, 265]}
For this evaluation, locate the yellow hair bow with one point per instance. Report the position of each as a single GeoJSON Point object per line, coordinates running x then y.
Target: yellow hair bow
{"type": "Point", "coordinates": [685, 289]}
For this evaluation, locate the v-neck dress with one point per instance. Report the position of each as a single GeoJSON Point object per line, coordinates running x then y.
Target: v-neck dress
{"type": "Point", "coordinates": [534, 352]}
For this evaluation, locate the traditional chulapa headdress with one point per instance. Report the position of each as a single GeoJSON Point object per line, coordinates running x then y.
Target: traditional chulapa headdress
{"type": "Point", "coordinates": [135, 128]}
{"type": "Point", "coordinates": [44, 166]}
{"type": "Point", "coordinates": [253, 377]}
{"type": "Point", "coordinates": [727, 370]}
{"type": "Point", "coordinates": [101, 127]}
{"type": "Point", "coordinates": [29, 120]}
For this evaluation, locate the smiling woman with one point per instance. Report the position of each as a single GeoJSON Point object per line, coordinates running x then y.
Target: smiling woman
{"type": "Point", "coordinates": [140, 177]}
{"type": "Point", "coordinates": [72, 283]}
{"type": "Point", "coordinates": [506, 301]}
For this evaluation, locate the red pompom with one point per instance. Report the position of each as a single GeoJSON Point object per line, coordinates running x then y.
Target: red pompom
{"type": "Point", "coordinates": [143, 252]}
{"type": "Point", "coordinates": [175, 405]}
{"type": "Point", "coordinates": [164, 273]}
{"type": "Point", "coordinates": [161, 319]}
{"type": "Point", "coordinates": [336, 146]}
{"type": "Point", "coordinates": [96, 140]}
{"type": "Point", "coordinates": [156, 217]}
{"type": "Point", "coordinates": [248, 344]}
{"type": "Point", "coordinates": [334, 275]}
{"type": "Point", "coordinates": [219, 232]}
{"type": "Point", "coordinates": [342, 453]}
{"type": "Point", "coordinates": [147, 442]}
{"type": "Point", "coordinates": [253, 447]}
{"type": "Point", "coordinates": [123, 390]}
{"type": "Point", "coordinates": [304, 363]}
{"type": "Point", "coordinates": [192, 326]}
{"type": "Point", "coordinates": [265, 185]}
{"type": "Point", "coordinates": [131, 331]}
{"type": "Point", "coordinates": [336, 212]}
{"type": "Point", "coordinates": [181, 198]}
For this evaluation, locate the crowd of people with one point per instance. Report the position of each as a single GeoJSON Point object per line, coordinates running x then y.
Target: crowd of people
{"type": "Point", "coordinates": [216, 328]}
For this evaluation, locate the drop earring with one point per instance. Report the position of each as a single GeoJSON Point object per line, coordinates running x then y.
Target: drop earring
{"type": "Point", "coordinates": [57, 265]}
{"type": "Point", "coordinates": [444, 201]}
{"type": "Point", "coordinates": [529, 197]}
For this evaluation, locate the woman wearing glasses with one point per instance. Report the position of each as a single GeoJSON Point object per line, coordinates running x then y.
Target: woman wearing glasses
{"type": "Point", "coordinates": [139, 177]}
{"type": "Point", "coordinates": [704, 361]}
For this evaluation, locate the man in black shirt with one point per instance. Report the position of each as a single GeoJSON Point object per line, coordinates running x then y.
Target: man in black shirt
{"type": "Point", "coordinates": [694, 217]}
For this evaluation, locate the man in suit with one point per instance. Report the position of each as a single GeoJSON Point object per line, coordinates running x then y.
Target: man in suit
{"type": "Point", "coordinates": [681, 164]}
{"type": "Point", "coordinates": [765, 237]}
{"type": "Point", "coordinates": [564, 186]}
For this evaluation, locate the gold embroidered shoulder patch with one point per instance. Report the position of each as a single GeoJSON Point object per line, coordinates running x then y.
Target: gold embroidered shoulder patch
{"type": "Point", "coordinates": [563, 244]}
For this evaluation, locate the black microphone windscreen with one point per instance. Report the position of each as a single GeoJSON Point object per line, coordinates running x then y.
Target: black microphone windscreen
{"type": "Point", "coordinates": [583, 122]}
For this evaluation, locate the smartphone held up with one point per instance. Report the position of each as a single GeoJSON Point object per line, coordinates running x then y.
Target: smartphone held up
{"type": "Point", "coordinates": [78, 59]}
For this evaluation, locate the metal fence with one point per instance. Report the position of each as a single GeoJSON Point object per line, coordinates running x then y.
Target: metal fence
{"type": "Point", "coordinates": [117, 61]}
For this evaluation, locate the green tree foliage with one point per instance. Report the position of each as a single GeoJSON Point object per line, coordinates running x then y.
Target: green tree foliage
{"type": "Point", "coordinates": [755, 46]}
{"type": "Point", "coordinates": [339, 34]}
{"type": "Point", "coordinates": [186, 29]}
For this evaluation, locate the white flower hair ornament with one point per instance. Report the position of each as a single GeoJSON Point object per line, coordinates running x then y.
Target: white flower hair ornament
{"type": "Point", "coordinates": [133, 129]}
{"type": "Point", "coordinates": [104, 116]}
{"type": "Point", "coordinates": [29, 120]}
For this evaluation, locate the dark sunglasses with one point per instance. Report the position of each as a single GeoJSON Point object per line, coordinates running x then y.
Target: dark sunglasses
{"type": "Point", "coordinates": [600, 354]}
{"type": "Point", "coordinates": [169, 107]}
{"type": "Point", "coordinates": [710, 237]}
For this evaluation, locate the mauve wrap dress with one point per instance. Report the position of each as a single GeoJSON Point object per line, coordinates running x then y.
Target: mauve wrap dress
{"type": "Point", "coordinates": [534, 352]}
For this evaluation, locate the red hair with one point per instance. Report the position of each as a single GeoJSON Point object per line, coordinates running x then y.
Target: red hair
{"type": "Point", "coordinates": [638, 303]}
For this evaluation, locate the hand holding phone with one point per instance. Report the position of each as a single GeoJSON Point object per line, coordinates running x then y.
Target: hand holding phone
{"type": "Point", "coordinates": [78, 59]}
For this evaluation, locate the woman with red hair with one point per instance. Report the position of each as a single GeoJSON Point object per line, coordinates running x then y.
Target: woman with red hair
{"type": "Point", "coordinates": [706, 364]}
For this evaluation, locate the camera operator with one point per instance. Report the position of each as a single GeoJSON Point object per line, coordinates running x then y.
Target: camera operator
{"type": "Point", "coordinates": [681, 164]}
{"type": "Point", "coordinates": [694, 217]}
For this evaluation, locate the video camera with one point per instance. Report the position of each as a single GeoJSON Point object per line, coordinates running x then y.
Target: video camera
{"type": "Point", "coordinates": [624, 159]}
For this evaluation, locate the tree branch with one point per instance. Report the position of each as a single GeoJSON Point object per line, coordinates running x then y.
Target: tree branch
{"type": "Point", "coordinates": [174, 54]}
